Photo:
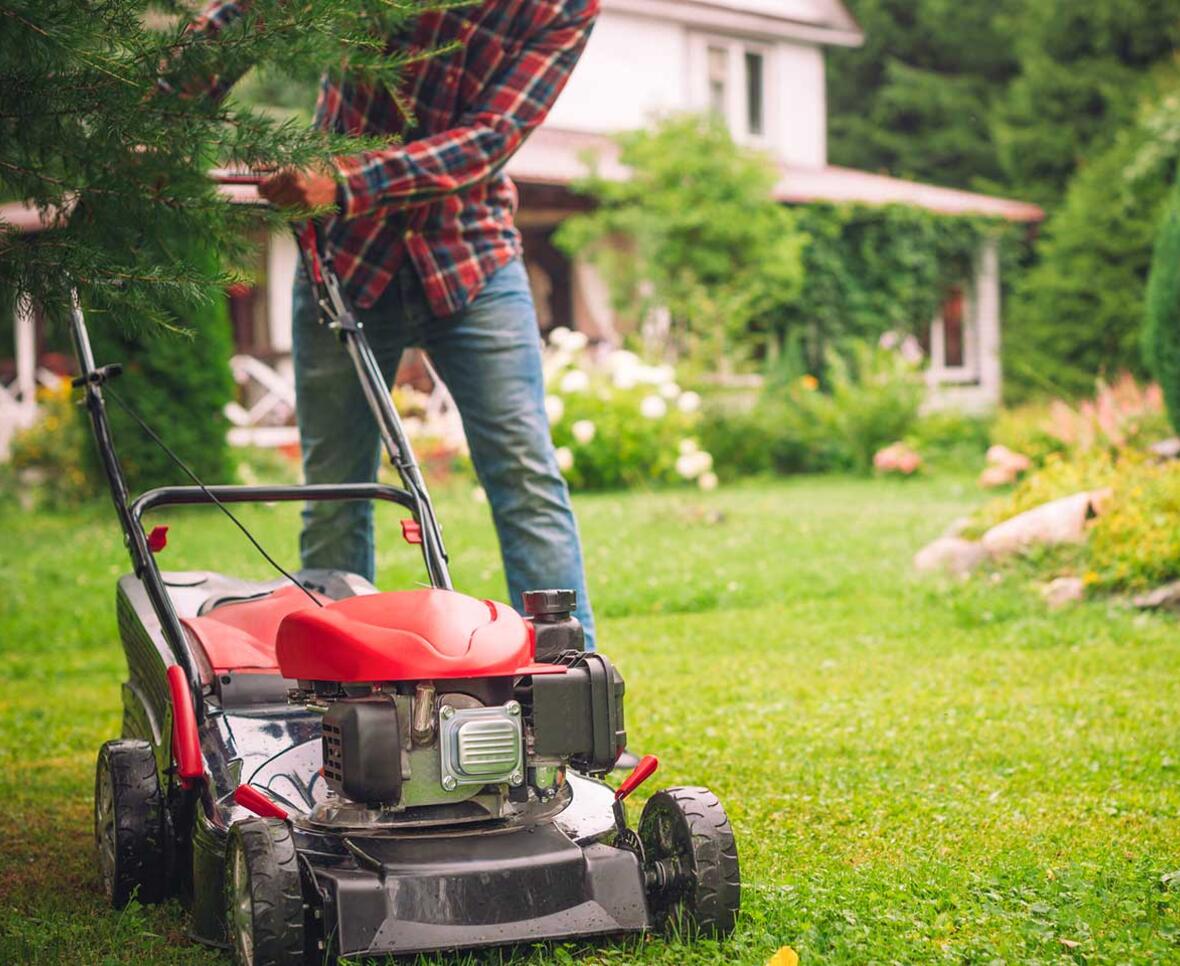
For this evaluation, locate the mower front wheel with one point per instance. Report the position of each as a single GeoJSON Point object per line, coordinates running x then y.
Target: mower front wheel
{"type": "Point", "coordinates": [264, 894]}
{"type": "Point", "coordinates": [129, 823]}
{"type": "Point", "coordinates": [690, 862]}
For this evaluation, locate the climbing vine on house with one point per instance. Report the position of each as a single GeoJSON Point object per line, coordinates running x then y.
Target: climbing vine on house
{"type": "Point", "coordinates": [871, 269]}
{"type": "Point", "coordinates": [696, 230]}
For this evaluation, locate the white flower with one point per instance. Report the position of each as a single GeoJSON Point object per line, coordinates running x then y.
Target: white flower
{"type": "Point", "coordinates": [583, 431]}
{"type": "Point", "coordinates": [653, 407]}
{"type": "Point", "coordinates": [559, 336]}
{"type": "Point", "coordinates": [621, 359]}
{"type": "Point", "coordinates": [688, 446]}
{"type": "Point", "coordinates": [661, 375]}
{"type": "Point", "coordinates": [686, 466]}
{"type": "Point", "coordinates": [478, 495]}
{"type": "Point", "coordinates": [625, 379]}
{"type": "Point", "coordinates": [576, 341]}
{"type": "Point", "coordinates": [707, 481]}
{"type": "Point", "coordinates": [669, 390]}
{"type": "Point", "coordinates": [688, 402]}
{"type": "Point", "coordinates": [554, 409]}
{"type": "Point", "coordinates": [692, 464]}
{"type": "Point", "coordinates": [576, 380]}
{"type": "Point", "coordinates": [565, 458]}
{"type": "Point", "coordinates": [889, 340]}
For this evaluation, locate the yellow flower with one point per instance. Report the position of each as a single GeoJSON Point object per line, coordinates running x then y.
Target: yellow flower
{"type": "Point", "coordinates": [1090, 578]}
{"type": "Point", "coordinates": [809, 382]}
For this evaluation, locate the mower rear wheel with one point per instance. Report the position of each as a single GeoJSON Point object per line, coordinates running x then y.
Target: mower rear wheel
{"type": "Point", "coordinates": [264, 894]}
{"type": "Point", "coordinates": [690, 862]}
{"type": "Point", "coordinates": [129, 823]}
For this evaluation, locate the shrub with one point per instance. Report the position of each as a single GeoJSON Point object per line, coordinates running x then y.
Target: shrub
{"type": "Point", "coordinates": [1079, 310]}
{"type": "Point", "coordinates": [178, 381]}
{"type": "Point", "coordinates": [1161, 337]}
{"type": "Point", "coordinates": [625, 425]}
{"type": "Point", "coordinates": [950, 438]}
{"type": "Point", "coordinates": [1060, 476]}
{"type": "Point", "coordinates": [49, 458]}
{"type": "Point", "coordinates": [872, 400]}
{"type": "Point", "coordinates": [1122, 415]}
{"type": "Point", "coordinates": [1135, 543]}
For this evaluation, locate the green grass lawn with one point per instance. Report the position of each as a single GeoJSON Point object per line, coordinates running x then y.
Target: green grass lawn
{"type": "Point", "coordinates": [916, 771]}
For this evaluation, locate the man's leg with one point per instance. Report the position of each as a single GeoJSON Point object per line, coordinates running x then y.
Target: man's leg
{"type": "Point", "coordinates": [489, 355]}
{"type": "Point", "coordinates": [337, 433]}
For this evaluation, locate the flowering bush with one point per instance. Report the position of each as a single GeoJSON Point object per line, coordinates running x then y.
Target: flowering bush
{"type": "Point", "coordinates": [620, 423]}
{"type": "Point", "coordinates": [1135, 542]}
{"type": "Point", "coordinates": [49, 459]}
{"type": "Point", "coordinates": [1121, 415]}
{"type": "Point", "coordinates": [871, 402]}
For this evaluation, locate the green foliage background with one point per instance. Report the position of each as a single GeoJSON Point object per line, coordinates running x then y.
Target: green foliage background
{"type": "Point", "coordinates": [1162, 330]}
{"type": "Point", "coordinates": [1044, 100]}
{"type": "Point", "coordinates": [177, 379]}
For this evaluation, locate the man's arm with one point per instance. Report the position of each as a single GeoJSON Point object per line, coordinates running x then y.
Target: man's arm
{"type": "Point", "coordinates": [212, 21]}
{"type": "Point", "coordinates": [514, 102]}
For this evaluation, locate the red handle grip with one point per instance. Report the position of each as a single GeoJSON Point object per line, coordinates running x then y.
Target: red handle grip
{"type": "Point", "coordinates": [643, 771]}
{"type": "Point", "coordinates": [251, 798]}
{"type": "Point", "coordinates": [186, 742]}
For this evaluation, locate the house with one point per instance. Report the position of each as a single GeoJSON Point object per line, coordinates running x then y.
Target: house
{"type": "Point", "coordinates": [759, 64]}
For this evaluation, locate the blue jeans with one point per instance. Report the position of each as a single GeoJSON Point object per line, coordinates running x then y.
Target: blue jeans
{"type": "Point", "coordinates": [489, 355]}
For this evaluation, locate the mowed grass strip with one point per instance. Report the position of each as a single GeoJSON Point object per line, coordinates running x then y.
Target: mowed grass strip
{"type": "Point", "coordinates": [917, 770]}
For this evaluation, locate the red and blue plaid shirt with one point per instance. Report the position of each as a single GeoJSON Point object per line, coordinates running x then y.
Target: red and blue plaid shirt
{"type": "Point", "coordinates": [440, 196]}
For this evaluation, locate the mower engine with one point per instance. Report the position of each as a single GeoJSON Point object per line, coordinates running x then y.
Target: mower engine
{"type": "Point", "coordinates": [477, 744]}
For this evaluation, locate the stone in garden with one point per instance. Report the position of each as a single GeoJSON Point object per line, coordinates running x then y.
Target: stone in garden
{"type": "Point", "coordinates": [1063, 590]}
{"type": "Point", "coordinates": [1166, 449]}
{"type": "Point", "coordinates": [953, 555]}
{"type": "Point", "coordinates": [1166, 597]}
{"type": "Point", "coordinates": [1059, 521]}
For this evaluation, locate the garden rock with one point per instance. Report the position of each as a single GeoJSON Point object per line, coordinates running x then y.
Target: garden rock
{"type": "Point", "coordinates": [951, 554]}
{"type": "Point", "coordinates": [1063, 591]}
{"type": "Point", "coordinates": [1166, 449]}
{"type": "Point", "coordinates": [1059, 521]}
{"type": "Point", "coordinates": [1166, 597]}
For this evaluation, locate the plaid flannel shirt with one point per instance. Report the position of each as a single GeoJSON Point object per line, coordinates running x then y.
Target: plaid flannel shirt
{"type": "Point", "coordinates": [440, 196]}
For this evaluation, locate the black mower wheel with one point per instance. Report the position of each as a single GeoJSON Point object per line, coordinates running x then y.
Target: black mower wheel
{"type": "Point", "coordinates": [129, 823]}
{"type": "Point", "coordinates": [264, 894]}
{"type": "Point", "coordinates": [691, 862]}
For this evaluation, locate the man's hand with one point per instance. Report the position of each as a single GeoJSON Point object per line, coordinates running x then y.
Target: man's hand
{"type": "Point", "coordinates": [300, 188]}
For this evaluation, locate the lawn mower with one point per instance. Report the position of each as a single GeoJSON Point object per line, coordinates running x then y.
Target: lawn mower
{"type": "Point", "coordinates": [320, 769]}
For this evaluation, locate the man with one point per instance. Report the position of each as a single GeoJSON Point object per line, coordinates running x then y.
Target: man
{"type": "Point", "coordinates": [424, 242]}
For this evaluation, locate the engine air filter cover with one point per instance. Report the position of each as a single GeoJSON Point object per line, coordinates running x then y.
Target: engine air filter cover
{"type": "Point", "coordinates": [481, 746]}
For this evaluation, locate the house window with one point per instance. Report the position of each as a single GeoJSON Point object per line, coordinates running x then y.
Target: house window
{"type": "Point", "coordinates": [953, 350]}
{"type": "Point", "coordinates": [754, 93]}
{"type": "Point", "coordinates": [952, 340]}
{"type": "Point", "coordinates": [718, 73]}
{"type": "Point", "coordinates": [732, 81]}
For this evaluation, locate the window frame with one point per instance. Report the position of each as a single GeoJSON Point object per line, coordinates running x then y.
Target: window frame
{"type": "Point", "coordinates": [736, 100]}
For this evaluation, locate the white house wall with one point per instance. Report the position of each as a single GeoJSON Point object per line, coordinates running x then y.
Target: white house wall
{"type": "Point", "coordinates": [633, 67]}
{"type": "Point", "coordinates": [800, 124]}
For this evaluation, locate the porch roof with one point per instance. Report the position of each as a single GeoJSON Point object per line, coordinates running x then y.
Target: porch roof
{"type": "Point", "coordinates": [556, 157]}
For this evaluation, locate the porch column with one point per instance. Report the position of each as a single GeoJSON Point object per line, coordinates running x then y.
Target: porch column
{"type": "Point", "coordinates": [25, 328]}
{"type": "Point", "coordinates": [987, 320]}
